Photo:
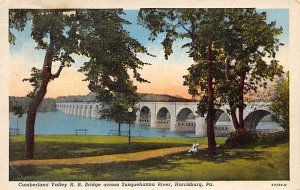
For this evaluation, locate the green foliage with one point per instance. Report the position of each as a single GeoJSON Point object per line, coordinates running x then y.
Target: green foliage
{"type": "Point", "coordinates": [196, 80]}
{"type": "Point", "coordinates": [241, 138]}
{"type": "Point", "coordinates": [117, 109]}
{"type": "Point", "coordinates": [97, 34]}
{"type": "Point", "coordinates": [112, 55]}
{"type": "Point", "coordinates": [250, 41]}
{"type": "Point", "coordinates": [274, 138]}
{"type": "Point", "coordinates": [200, 27]}
{"type": "Point", "coordinates": [17, 20]}
{"type": "Point", "coordinates": [280, 102]}
{"type": "Point", "coordinates": [111, 50]}
{"type": "Point", "coordinates": [52, 30]}
{"type": "Point", "coordinates": [35, 81]}
{"type": "Point", "coordinates": [18, 110]}
{"type": "Point", "coordinates": [241, 38]}
{"type": "Point", "coordinates": [244, 138]}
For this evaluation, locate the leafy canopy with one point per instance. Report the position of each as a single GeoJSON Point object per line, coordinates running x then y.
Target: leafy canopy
{"type": "Point", "coordinates": [112, 57]}
{"type": "Point", "coordinates": [241, 39]}
{"type": "Point", "coordinates": [49, 28]}
{"type": "Point", "coordinates": [280, 102]}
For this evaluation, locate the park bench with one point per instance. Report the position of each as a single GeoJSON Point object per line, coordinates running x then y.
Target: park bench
{"type": "Point", "coordinates": [80, 131]}
{"type": "Point", "coordinates": [123, 133]}
{"type": "Point", "coordinates": [116, 132]}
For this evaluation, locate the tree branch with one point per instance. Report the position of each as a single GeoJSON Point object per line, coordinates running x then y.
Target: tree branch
{"type": "Point", "coordinates": [56, 75]}
{"type": "Point", "coordinates": [182, 25]}
{"type": "Point", "coordinates": [48, 60]}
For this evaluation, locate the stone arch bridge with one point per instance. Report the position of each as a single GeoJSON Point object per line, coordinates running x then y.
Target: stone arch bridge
{"type": "Point", "coordinates": [177, 116]}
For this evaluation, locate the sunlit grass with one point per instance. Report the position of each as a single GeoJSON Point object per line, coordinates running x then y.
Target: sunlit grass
{"type": "Point", "coordinates": [260, 163]}
{"type": "Point", "coordinates": [72, 146]}
{"type": "Point", "coordinates": [109, 139]}
{"type": "Point", "coordinates": [253, 163]}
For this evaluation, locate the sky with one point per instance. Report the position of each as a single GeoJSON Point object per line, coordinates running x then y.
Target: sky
{"type": "Point", "coordinates": [165, 76]}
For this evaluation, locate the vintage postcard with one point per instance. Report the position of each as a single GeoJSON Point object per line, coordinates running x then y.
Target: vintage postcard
{"type": "Point", "coordinates": [150, 94]}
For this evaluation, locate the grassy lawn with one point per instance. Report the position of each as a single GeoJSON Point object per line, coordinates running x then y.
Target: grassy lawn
{"type": "Point", "coordinates": [257, 163]}
{"type": "Point", "coordinates": [72, 146]}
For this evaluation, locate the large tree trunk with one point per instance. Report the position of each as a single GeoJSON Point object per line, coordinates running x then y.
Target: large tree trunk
{"type": "Point", "coordinates": [210, 115]}
{"type": "Point", "coordinates": [37, 100]}
{"type": "Point", "coordinates": [30, 120]}
{"type": "Point", "coordinates": [241, 97]}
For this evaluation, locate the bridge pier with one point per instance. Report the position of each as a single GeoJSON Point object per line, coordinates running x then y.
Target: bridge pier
{"type": "Point", "coordinates": [153, 120]}
{"type": "Point", "coordinates": [137, 119]}
{"type": "Point", "coordinates": [173, 124]}
{"type": "Point", "coordinates": [201, 127]}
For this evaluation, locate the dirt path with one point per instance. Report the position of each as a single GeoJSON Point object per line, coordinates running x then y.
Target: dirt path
{"type": "Point", "coordinates": [136, 156]}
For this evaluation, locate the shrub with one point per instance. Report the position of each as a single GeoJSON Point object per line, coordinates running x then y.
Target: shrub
{"type": "Point", "coordinates": [242, 138]}
{"type": "Point", "coordinates": [278, 137]}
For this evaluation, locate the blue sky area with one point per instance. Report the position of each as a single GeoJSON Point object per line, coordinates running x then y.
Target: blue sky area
{"type": "Point", "coordinates": [24, 41]}
{"type": "Point", "coordinates": [24, 56]}
{"type": "Point", "coordinates": [281, 16]}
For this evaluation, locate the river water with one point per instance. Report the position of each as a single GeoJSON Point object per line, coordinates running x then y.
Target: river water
{"type": "Point", "coordinates": [58, 123]}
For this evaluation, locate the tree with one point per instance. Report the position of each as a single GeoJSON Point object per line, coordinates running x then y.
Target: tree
{"type": "Point", "coordinates": [280, 102]}
{"type": "Point", "coordinates": [117, 109]}
{"type": "Point", "coordinates": [53, 31]}
{"type": "Point", "coordinates": [249, 41]}
{"type": "Point", "coordinates": [236, 41]}
{"type": "Point", "coordinates": [240, 66]}
{"type": "Point", "coordinates": [96, 34]}
{"type": "Point", "coordinates": [204, 29]}
{"type": "Point", "coordinates": [113, 56]}
{"type": "Point", "coordinates": [18, 111]}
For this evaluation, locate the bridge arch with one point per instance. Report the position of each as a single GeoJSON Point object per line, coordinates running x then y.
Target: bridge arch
{"type": "Point", "coordinates": [73, 109]}
{"type": "Point", "coordinates": [145, 116]}
{"type": "Point", "coordinates": [68, 109]}
{"type": "Point", "coordinates": [83, 111]}
{"type": "Point", "coordinates": [80, 110]}
{"type": "Point", "coordinates": [185, 120]}
{"type": "Point", "coordinates": [77, 110]}
{"type": "Point", "coordinates": [253, 118]}
{"type": "Point", "coordinates": [89, 110]}
{"type": "Point", "coordinates": [163, 118]}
